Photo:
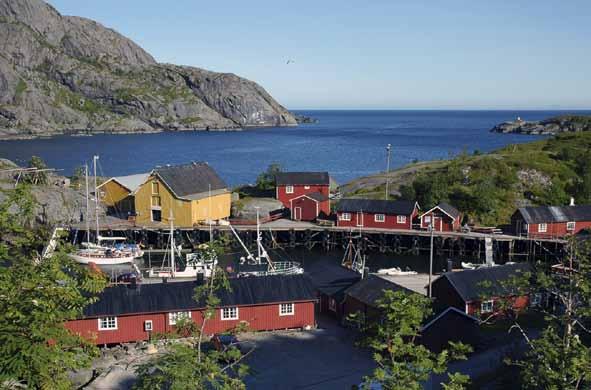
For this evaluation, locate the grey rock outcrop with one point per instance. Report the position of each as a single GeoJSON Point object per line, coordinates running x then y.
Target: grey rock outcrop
{"type": "Point", "coordinates": [66, 74]}
{"type": "Point", "coordinates": [551, 126]}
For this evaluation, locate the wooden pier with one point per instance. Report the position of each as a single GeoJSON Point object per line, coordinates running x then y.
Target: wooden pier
{"type": "Point", "coordinates": [291, 234]}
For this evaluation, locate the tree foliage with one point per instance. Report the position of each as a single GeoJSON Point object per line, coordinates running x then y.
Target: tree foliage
{"type": "Point", "coordinates": [193, 363]}
{"type": "Point", "coordinates": [37, 296]}
{"type": "Point", "coordinates": [560, 358]}
{"type": "Point", "coordinates": [402, 362]}
{"type": "Point", "coordinates": [266, 180]}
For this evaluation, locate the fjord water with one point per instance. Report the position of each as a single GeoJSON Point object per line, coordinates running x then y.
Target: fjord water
{"type": "Point", "coordinates": [347, 143]}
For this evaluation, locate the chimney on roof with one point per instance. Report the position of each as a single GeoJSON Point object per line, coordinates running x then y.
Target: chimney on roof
{"type": "Point", "coordinates": [572, 201]}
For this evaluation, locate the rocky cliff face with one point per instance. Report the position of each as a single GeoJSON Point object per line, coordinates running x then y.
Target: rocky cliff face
{"type": "Point", "coordinates": [559, 124]}
{"type": "Point", "coordinates": [64, 74]}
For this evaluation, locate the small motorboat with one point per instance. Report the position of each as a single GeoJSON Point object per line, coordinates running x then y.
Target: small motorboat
{"type": "Point", "coordinates": [396, 271]}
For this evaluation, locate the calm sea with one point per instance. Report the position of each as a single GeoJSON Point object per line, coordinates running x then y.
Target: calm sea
{"type": "Point", "coordinates": [348, 144]}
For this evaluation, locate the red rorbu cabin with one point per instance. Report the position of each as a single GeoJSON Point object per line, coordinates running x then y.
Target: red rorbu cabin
{"type": "Point", "coordinates": [372, 213]}
{"type": "Point", "coordinates": [129, 314]}
{"type": "Point", "coordinates": [479, 291]}
{"type": "Point", "coordinates": [551, 221]}
{"type": "Point", "coordinates": [443, 217]}
{"type": "Point", "coordinates": [305, 194]}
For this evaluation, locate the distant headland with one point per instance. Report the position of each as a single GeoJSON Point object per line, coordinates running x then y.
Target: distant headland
{"type": "Point", "coordinates": [550, 126]}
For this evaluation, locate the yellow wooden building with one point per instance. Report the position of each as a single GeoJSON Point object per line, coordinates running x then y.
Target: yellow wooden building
{"type": "Point", "coordinates": [194, 193]}
{"type": "Point", "coordinates": [118, 193]}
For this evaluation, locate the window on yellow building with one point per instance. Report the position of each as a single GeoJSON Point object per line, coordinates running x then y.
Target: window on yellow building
{"type": "Point", "coordinates": [155, 187]}
{"type": "Point", "coordinates": [156, 201]}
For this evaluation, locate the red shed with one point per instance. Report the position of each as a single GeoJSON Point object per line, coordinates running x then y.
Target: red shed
{"type": "Point", "coordinates": [372, 213]}
{"type": "Point", "coordinates": [290, 187]}
{"type": "Point", "coordinates": [124, 314]}
{"type": "Point", "coordinates": [551, 221]}
{"type": "Point", "coordinates": [444, 217]}
{"type": "Point", "coordinates": [308, 207]}
{"type": "Point", "coordinates": [465, 290]}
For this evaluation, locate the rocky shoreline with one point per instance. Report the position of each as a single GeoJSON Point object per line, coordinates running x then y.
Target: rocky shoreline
{"type": "Point", "coordinates": [550, 126]}
{"type": "Point", "coordinates": [62, 73]}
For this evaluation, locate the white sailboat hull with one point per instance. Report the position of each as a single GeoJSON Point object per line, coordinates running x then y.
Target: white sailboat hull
{"type": "Point", "coordinates": [101, 260]}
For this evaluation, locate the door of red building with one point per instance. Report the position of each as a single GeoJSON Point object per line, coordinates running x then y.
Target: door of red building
{"type": "Point", "coordinates": [359, 218]}
{"type": "Point", "coordinates": [297, 213]}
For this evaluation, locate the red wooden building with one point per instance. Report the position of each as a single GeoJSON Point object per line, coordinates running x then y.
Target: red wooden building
{"type": "Point", "coordinates": [305, 194]}
{"type": "Point", "coordinates": [480, 291]}
{"type": "Point", "coordinates": [444, 218]}
{"type": "Point", "coordinates": [125, 314]}
{"type": "Point", "coordinates": [372, 213]}
{"type": "Point", "coordinates": [551, 221]}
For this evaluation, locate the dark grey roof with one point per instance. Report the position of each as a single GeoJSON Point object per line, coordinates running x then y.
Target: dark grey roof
{"type": "Point", "coordinates": [317, 196]}
{"type": "Point", "coordinates": [189, 179]}
{"type": "Point", "coordinates": [449, 209]}
{"type": "Point", "coordinates": [545, 214]}
{"type": "Point", "coordinates": [398, 207]}
{"type": "Point", "coordinates": [178, 296]}
{"type": "Point", "coordinates": [370, 289]}
{"type": "Point", "coordinates": [468, 283]}
{"type": "Point", "coordinates": [302, 178]}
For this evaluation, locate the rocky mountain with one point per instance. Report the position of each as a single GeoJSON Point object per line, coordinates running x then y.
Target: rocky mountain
{"type": "Point", "coordinates": [66, 74]}
{"type": "Point", "coordinates": [555, 125]}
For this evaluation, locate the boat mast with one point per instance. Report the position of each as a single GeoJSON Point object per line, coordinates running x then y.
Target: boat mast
{"type": "Point", "coordinates": [96, 201]}
{"type": "Point", "coordinates": [172, 247]}
{"type": "Point", "coordinates": [258, 237]}
{"type": "Point", "coordinates": [87, 216]}
{"type": "Point", "coordinates": [209, 213]}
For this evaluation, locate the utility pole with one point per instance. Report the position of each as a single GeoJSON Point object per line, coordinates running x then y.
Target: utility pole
{"type": "Point", "coordinates": [430, 259]}
{"type": "Point", "coordinates": [388, 149]}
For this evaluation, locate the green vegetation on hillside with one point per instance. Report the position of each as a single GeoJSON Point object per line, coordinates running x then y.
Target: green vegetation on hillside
{"type": "Point", "coordinates": [488, 188]}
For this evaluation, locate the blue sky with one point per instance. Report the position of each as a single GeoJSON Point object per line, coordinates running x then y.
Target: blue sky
{"type": "Point", "coordinates": [381, 54]}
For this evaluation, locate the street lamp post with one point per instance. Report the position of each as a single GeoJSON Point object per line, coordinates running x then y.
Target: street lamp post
{"type": "Point", "coordinates": [388, 149]}
{"type": "Point", "coordinates": [430, 258]}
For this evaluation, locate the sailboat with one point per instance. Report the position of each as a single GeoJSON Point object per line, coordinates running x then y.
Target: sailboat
{"type": "Point", "coordinates": [202, 262]}
{"type": "Point", "coordinates": [95, 252]}
{"type": "Point", "coordinates": [262, 265]}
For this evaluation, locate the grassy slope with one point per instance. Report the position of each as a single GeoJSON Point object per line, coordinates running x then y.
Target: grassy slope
{"type": "Point", "coordinates": [489, 187]}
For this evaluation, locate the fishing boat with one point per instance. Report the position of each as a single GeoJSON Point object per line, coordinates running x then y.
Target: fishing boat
{"type": "Point", "coordinates": [202, 262]}
{"type": "Point", "coordinates": [96, 252]}
{"type": "Point", "coordinates": [262, 265]}
{"type": "Point", "coordinates": [396, 271]}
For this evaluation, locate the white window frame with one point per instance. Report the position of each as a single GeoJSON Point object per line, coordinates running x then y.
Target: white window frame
{"type": "Point", "coordinates": [306, 187]}
{"type": "Point", "coordinates": [427, 219]}
{"type": "Point", "coordinates": [174, 317]}
{"type": "Point", "coordinates": [492, 306]}
{"type": "Point", "coordinates": [289, 189]}
{"type": "Point", "coordinates": [148, 326]}
{"type": "Point", "coordinates": [381, 219]}
{"type": "Point", "coordinates": [226, 313]}
{"type": "Point", "coordinates": [571, 226]}
{"type": "Point", "coordinates": [332, 304]}
{"type": "Point", "coordinates": [401, 219]}
{"type": "Point", "coordinates": [345, 216]}
{"type": "Point", "coordinates": [107, 323]}
{"type": "Point", "coordinates": [286, 309]}
{"type": "Point", "coordinates": [536, 299]}
{"type": "Point", "coordinates": [542, 228]}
